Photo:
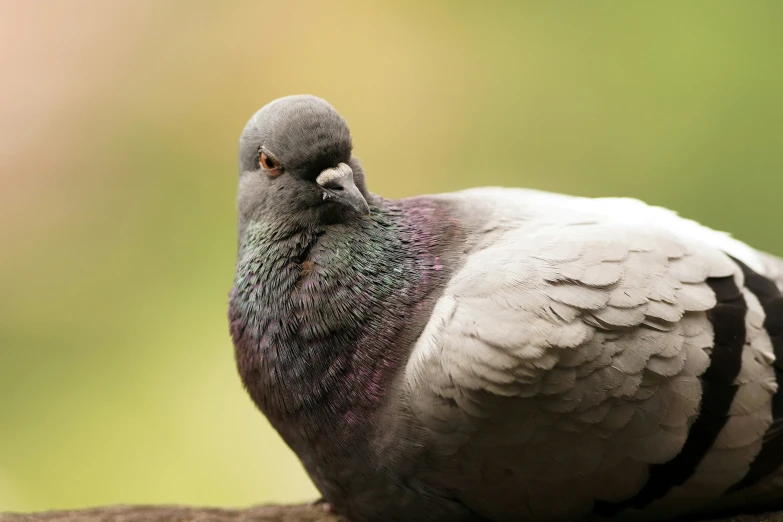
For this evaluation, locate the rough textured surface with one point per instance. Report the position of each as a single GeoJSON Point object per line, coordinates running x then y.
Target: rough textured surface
{"type": "Point", "coordinates": [770, 517]}
{"type": "Point", "coordinates": [298, 513]}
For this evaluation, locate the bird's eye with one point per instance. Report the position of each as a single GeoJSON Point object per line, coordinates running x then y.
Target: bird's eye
{"type": "Point", "coordinates": [269, 164]}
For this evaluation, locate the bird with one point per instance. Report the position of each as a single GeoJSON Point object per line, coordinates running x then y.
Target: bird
{"type": "Point", "coordinates": [498, 354]}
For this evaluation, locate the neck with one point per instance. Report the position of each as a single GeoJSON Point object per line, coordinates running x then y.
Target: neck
{"type": "Point", "coordinates": [323, 318]}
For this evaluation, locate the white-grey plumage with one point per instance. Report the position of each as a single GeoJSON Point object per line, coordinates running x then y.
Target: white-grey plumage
{"type": "Point", "coordinates": [499, 354]}
{"type": "Point", "coordinates": [568, 353]}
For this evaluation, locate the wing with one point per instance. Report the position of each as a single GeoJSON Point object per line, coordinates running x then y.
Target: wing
{"type": "Point", "coordinates": [773, 269]}
{"type": "Point", "coordinates": [588, 365]}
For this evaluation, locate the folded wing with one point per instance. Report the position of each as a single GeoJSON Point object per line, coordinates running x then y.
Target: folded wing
{"type": "Point", "coordinates": [590, 365]}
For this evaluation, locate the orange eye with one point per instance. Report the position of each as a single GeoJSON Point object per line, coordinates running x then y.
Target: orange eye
{"type": "Point", "coordinates": [269, 164]}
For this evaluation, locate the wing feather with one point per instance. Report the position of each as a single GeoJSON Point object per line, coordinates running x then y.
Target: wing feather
{"type": "Point", "coordinates": [563, 343]}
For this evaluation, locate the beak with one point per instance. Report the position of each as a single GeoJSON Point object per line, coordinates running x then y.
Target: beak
{"type": "Point", "coordinates": [338, 186]}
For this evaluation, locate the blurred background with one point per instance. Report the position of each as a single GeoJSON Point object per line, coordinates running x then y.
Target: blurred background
{"type": "Point", "coordinates": [119, 123]}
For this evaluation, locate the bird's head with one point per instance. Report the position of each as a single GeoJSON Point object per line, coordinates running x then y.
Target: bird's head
{"type": "Point", "coordinates": [295, 164]}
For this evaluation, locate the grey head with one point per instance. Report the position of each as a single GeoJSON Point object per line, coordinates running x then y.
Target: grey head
{"type": "Point", "coordinates": [296, 167]}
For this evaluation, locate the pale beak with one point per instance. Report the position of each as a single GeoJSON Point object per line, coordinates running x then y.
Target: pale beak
{"type": "Point", "coordinates": [338, 186]}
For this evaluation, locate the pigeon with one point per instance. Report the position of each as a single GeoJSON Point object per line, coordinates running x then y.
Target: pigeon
{"type": "Point", "coordinates": [498, 354]}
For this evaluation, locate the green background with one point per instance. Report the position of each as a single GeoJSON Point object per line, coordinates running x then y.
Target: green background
{"type": "Point", "coordinates": [118, 169]}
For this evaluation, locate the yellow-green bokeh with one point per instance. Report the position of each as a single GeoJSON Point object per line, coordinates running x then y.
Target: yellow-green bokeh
{"type": "Point", "coordinates": [118, 144]}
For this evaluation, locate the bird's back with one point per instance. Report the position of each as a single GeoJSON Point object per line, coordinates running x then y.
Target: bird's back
{"type": "Point", "coordinates": [492, 206]}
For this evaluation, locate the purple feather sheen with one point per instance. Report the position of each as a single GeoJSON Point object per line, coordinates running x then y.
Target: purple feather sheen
{"type": "Point", "coordinates": [323, 319]}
